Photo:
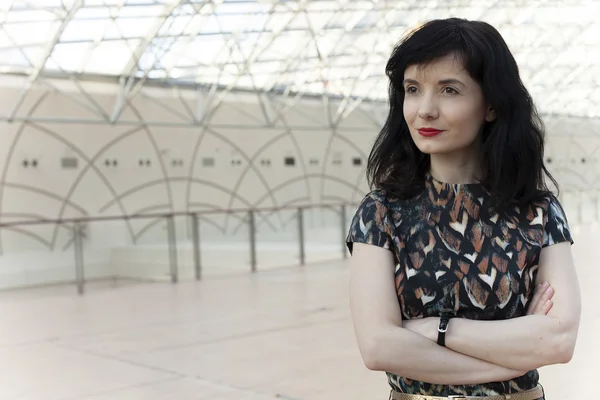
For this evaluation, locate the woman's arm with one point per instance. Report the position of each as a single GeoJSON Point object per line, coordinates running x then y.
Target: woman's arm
{"type": "Point", "coordinates": [386, 346]}
{"type": "Point", "coordinates": [531, 341]}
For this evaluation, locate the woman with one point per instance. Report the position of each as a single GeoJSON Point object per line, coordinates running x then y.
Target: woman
{"type": "Point", "coordinates": [460, 206]}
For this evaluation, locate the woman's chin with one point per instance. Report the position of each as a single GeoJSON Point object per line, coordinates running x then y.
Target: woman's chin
{"type": "Point", "coordinates": [441, 148]}
{"type": "Point", "coordinates": [431, 150]}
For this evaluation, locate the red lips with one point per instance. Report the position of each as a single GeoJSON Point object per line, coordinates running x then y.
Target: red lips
{"type": "Point", "coordinates": [429, 132]}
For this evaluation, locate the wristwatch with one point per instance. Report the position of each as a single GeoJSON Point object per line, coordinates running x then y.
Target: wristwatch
{"type": "Point", "coordinates": [443, 327]}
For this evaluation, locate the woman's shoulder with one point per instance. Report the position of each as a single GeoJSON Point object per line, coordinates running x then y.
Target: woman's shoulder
{"type": "Point", "coordinates": [377, 195]}
{"type": "Point", "coordinates": [544, 213]}
{"type": "Point", "coordinates": [548, 202]}
{"type": "Point", "coordinates": [553, 211]}
{"type": "Point", "coordinates": [384, 198]}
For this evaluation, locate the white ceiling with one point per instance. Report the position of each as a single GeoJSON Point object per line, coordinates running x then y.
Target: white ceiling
{"type": "Point", "coordinates": [338, 48]}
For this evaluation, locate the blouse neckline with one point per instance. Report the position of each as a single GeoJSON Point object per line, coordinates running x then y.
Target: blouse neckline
{"type": "Point", "coordinates": [449, 185]}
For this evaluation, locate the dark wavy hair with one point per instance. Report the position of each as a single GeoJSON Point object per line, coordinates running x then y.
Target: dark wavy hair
{"type": "Point", "coordinates": [512, 157]}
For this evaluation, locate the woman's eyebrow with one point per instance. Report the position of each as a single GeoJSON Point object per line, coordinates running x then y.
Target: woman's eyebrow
{"type": "Point", "coordinates": [450, 81]}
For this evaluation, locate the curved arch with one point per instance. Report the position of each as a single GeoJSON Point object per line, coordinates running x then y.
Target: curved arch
{"type": "Point", "coordinates": [336, 198]}
{"type": "Point", "coordinates": [90, 164]}
{"type": "Point", "coordinates": [576, 147]}
{"type": "Point", "coordinates": [145, 228]}
{"type": "Point", "coordinates": [595, 150]}
{"type": "Point", "coordinates": [30, 216]}
{"type": "Point", "coordinates": [258, 173]}
{"type": "Point", "coordinates": [213, 223]}
{"type": "Point", "coordinates": [320, 176]}
{"type": "Point", "coordinates": [148, 184]}
{"type": "Point", "coordinates": [160, 159]}
{"type": "Point", "coordinates": [248, 167]}
{"type": "Point", "coordinates": [267, 214]}
{"type": "Point", "coordinates": [327, 151]}
{"type": "Point", "coordinates": [574, 144]}
{"type": "Point", "coordinates": [307, 176]}
{"type": "Point", "coordinates": [200, 216]}
{"type": "Point", "coordinates": [10, 154]}
{"type": "Point", "coordinates": [48, 194]}
{"type": "Point", "coordinates": [32, 235]}
{"type": "Point", "coordinates": [351, 144]}
{"type": "Point", "coordinates": [188, 189]}
{"type": "Point", "coordinates": [573, 173]}
{"type": "Point", "coordinates": [359, 178]}
{"type": "Point", "coordinates": [287, 204]}
{"type": "Point", "coordinates": [302, 158]}
{"type": "Point", "coordinates": [150, 208]}
{"type": "Point", "coordinates": [206, 205]}
{"type": "Point", "coordinates": [362, 168]}
{"type": "Point", "coordinates": [155, 221]}
{"type": "Point", "coordinates": [67, 245]}
{"type": "Point", "coordinates": [175, 179]}
{"type": "Point", "coordinates": [290, 132]}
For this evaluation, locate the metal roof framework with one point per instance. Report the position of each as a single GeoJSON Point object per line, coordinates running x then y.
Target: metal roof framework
{"type": "Point", "coordinates": [334, 50]}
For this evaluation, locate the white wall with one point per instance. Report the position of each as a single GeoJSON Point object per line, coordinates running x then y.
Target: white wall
{"type": "Point", "coordinates": [160, 130]}
{"type": "Point", "coordinates": [158, 125]}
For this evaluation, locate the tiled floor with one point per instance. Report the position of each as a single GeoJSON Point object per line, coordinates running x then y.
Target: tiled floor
{"type": "Point", "coordinates": [275, 334]}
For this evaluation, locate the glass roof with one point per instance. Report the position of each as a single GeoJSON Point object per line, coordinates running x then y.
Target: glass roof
{"type": "Point", "coordinates": [329, 47]}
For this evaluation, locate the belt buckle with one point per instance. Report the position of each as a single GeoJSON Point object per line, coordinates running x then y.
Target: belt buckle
{"type": "Point", "coordinates": [457, 397]}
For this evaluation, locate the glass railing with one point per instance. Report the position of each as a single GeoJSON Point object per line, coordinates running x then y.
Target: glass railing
{"type": "Point", "coordinates": [165, 247]}
{"type": "Point", "coordinates": [170, 246]}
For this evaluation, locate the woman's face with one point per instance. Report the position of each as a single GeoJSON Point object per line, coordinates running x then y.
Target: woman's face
{"type": "Point", "coordinates": [444, 107]}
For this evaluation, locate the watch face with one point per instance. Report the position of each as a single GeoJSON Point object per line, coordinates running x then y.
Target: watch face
{"type": "Point", "coordinates": [443, 325]}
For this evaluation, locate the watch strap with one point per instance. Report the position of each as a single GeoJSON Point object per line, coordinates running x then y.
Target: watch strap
{"type": "Point", "coordinates": [443, 328]}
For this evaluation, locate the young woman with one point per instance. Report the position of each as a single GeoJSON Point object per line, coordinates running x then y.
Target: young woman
{"type": "Point", "coordinates": [462, 280]}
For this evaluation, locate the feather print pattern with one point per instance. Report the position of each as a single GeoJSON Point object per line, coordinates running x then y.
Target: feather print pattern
{"type": "Point", "coordinates": [450, 258]}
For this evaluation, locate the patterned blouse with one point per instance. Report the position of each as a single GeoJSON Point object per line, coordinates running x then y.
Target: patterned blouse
{"type": "Point", "coordinates": [451, 259]}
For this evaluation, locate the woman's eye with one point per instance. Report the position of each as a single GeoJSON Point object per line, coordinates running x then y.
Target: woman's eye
{"type": "Point", "coordinates": [449, 90]}
{"type": "Point", "coordinates": [410, 89]}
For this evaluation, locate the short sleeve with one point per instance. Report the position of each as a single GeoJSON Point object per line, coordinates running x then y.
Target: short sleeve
{"type": "Point", "coordinates": [556, 228]}
{"type": "Point", "coordinates": [371, 223]}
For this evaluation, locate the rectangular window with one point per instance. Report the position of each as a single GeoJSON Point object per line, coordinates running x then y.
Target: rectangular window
{"type": "Point", "coordinates": [68, 162]}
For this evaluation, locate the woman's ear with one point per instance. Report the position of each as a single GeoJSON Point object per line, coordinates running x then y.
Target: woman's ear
{"type": "Point", "coordinates": [490, 114]}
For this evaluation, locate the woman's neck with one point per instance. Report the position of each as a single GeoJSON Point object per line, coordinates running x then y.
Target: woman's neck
{"type": "Point", "coordinates": [452, 169]}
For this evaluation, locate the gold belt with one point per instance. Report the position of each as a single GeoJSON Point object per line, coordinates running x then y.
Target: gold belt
{"type": "Point", "coordinates": [532, 394]}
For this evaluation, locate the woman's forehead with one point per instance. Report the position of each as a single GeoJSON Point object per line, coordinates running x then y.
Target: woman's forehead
{"type": "Point", "coordinates": [448, 65]}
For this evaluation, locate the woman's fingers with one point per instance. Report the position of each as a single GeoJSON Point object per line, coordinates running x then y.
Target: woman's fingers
{"type": "Point", "coordinates": [541, 303]}
{"type": "Point", "coordinates": [547, 307]}
{"type": "Point", "coordinates": [537, 294]}
{"type": "Point", "coordinates": [546, 300]}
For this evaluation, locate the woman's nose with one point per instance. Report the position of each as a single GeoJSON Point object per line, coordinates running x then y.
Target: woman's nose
{"type": "Point", "coordinates": [428, 108]}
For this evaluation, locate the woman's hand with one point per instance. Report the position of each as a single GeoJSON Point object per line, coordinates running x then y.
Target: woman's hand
{"type": "Point", "coordinates": [427, 327]}
{"type": "Point", "coordinates": [541, 303]}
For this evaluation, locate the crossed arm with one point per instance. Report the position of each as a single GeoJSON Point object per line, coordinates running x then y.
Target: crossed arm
{"type": "Point", "coordinates": [534, 340]}
{"type": "Point", "coordinates": [477, 351]}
